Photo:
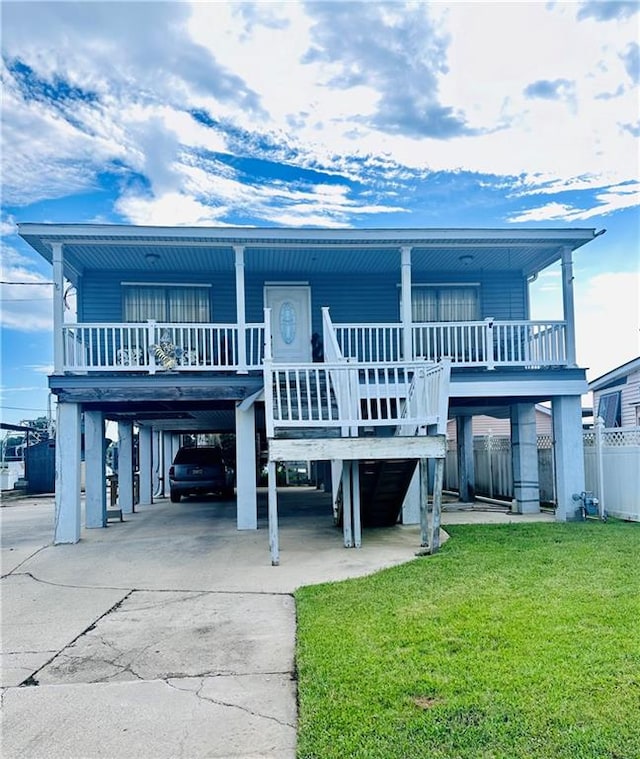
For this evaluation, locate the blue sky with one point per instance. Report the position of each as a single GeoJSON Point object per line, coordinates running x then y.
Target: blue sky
{"type": "Point", "coordinates": [337, 114]}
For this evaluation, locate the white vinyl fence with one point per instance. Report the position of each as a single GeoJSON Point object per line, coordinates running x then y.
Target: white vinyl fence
{"type": "Point", "coordinates": [612, 468]}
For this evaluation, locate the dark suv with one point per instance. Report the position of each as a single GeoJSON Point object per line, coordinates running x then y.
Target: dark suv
{"type": "Point", "coordinates": [200, 470]}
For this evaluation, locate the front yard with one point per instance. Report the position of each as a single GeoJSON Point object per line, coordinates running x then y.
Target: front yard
{"type": "Point", "coordinates": [515, 641]}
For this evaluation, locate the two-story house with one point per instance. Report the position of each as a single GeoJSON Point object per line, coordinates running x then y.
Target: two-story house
{"type": "Point", "coordinates": [350, 346]}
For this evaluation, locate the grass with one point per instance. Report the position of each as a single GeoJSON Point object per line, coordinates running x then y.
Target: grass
{"type": "Point", "coordinates": [515, 641]}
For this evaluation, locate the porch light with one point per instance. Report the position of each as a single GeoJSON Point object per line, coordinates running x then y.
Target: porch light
{"type": "Point", "coordinates": [152, 258]}
{"type": "Point", "coordinates": [466, 259]}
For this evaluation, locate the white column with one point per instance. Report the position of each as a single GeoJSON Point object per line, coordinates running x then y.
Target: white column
{"type": "Point", "coordinates": [167, 460]}
{"type": "Point", "coordinates": [568, 305]}
{"type": "Point", "coordinates": [247, 501]}
{"type": "Point", "coordinates": [240, 309]}
{"type": "Point", "coordinates": [67, 524]}
{"type": "Point", "coordinates": [58, 307]}
{"type": "Point", "coordinates": [423, 473]}
{"type": "Point", "coordinates": [125, 467]}
{"type": "Point", "coordinates": [156, 458]}
{"type": "Point", "coordinates": [466, 468]}
{"type": "Point", "coordinates": [95, 467]}
{"type": "Point", "coordinates": [405, 294]}
{"type": "Point", "coordinates": [524, 458]}
{"type": "Point", "coordinates": [145, 458]}
{"type": "Point", "coordinates": [274, 543]}
{"type": "Point", "coordinates": [569, 454]}
{"type": "Point", "coordinates": [347, 511]}
{"type": "Point", "coordinates": [357, 522]}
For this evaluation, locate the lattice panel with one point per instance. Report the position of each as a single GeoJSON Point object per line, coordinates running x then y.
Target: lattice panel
{"type": "Point", "coordinates": [621, 437]}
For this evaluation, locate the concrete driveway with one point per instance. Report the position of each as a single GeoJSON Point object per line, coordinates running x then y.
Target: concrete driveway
{"type": "Point", "coordinates": [168, 635]}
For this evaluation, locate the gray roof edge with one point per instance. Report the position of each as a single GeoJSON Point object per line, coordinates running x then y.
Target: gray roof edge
{"type": "Point", "coordinates": [123, 231]}
{"type": "Point", "coordinates": [620, 371]}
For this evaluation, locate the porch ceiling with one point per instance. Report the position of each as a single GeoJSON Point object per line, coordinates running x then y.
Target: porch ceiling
{"type": "Point", "coordinates": [299, 251]}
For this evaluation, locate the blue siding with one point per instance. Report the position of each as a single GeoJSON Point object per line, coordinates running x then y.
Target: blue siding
{"type": "Point", "coordinates": [101, 296]}
{"type": "Point", "coordinates": [360, 297]}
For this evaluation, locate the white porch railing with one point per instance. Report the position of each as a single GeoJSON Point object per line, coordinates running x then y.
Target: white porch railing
{"type": "Point", "coordinates": [350, 396]}
{"type": "Point", "coordinates": [152, 346]}
{"type": "Point", "coordinates": [487, 343]}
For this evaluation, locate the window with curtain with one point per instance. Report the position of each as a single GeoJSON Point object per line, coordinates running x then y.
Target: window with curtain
{"type": "Point", "coordinates": [444, 304]}
{"type": "Point", "coordinates": [166, 303]}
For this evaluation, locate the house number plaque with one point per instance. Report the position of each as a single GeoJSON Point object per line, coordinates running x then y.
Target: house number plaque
{"type": "Point", "coordinates": [288, 322]}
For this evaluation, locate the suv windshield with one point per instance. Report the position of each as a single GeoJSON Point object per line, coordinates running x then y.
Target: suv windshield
{"type": "Point", "coordinates": [199, 456]}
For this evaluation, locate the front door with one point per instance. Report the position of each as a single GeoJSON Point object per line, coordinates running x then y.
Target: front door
{"type": "Point", "coordinates": [290, 322]}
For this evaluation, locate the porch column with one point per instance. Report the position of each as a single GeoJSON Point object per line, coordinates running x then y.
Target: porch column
{"type": "Point", "coordinates": [145, 458]}
{"type": "Point", "coordinates": [568, 305]}
{"type": "Point", "coordinates": [466, 468]}
{"type": "Point", "coordinates": [96, 471]}
{"type": "Point", "coordinates": [67, 500]}
{"type": "Point", "coordinates": [58, 307]}
{"type": "Point", "coordinates": [167, 460]}
{"type": "Point", "coordinates": [569, 454]}
{"type": "Point", "coordinates": [524, 458]}
{"type": "Point", "coordinates": [405, 294]}
{"type": "Point", "coordinates": [357, 521]}
{"type": "Point", "coordinates": [156, 458]}
{"type": "Point", "coordinates": [125, 467]}
{"type": "Point", "coordinates": [247, 501]}
{"type": "Point", "coordinates": [240, 310]}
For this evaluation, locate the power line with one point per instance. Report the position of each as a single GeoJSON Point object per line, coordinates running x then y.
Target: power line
{"type": "Point", "coordinates": [8, 282]}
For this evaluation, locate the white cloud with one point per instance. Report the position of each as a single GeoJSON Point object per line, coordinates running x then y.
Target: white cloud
{"type": "Point", "coordinates": [609, 200]}
{"type": "Point", "coordinates": [607, 321]}
{"type": "Point", "coordinates": [25, 307]}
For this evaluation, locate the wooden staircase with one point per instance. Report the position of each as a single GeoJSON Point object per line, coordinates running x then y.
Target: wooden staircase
{"type": "Point", "coordinates": [383, 487]}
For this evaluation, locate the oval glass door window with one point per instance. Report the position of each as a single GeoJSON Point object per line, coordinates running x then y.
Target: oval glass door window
{"type": "Point", "coordinates": [288, 322]}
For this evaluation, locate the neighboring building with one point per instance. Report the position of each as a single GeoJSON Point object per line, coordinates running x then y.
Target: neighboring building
{"type": "Point", "coordinates": [349, 346]}
{"type": "Point", "coordinates": [501, 427]}
{"type": "Point", "coordinates": [616, 395]}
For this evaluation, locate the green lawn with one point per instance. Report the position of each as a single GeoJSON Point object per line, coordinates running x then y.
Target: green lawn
{"type": "Point", "coordinates": [515, 641]}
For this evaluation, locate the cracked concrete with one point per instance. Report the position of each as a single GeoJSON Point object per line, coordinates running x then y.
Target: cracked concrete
{"type": "Point", "coordinates": [167, 635]}
{"type": "Point", "coordinates": [155, 635]}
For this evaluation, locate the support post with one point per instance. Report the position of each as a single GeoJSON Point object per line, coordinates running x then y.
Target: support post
{"type": "Point", "coordinates": [466, 467]}
{"type": "Point", "coordinates": [167, 460]}
{"type": "Point", "coordinates": [434, 542]}
{"type": "Point", "coordinates": [125, 467]}
{"type": "Point", "coordinates": [424, 503]}
{"type": "Point", "coordinates": [156, 458]}
{"type": "Point", "coordinates": [95, 469]}
{"type": "Point", "coordinates": [247, 501]}
{"type": "Point", "coordinates": [599, 429]}
{"type": "Point", "coordinates": [347, 530]}
{"type": "Point", "coordinates": [58, 307]}
{"type": "Point", "coordinates": [569, 454]}
{"type": "Point", "coordinates": [357, 523]}
{"type": "Point", "coordinates": [67, 500]}
{"type": "Point", "coordinates": [406, 310]}
{"type": "Point", "coordinates": [274, 544]}
{"type": "Point", "coordinates": [240, 310]}
{"type": "Point", "coordinates": [145, 453]}
{"type": "Point", "coordinates": [568, 305]}
{"type": "Point", "coordinates": [524, 458]}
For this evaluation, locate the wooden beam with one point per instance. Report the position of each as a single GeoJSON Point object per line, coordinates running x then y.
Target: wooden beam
{"type": "Point", "coordinates": [426, 446]}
